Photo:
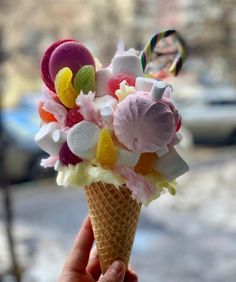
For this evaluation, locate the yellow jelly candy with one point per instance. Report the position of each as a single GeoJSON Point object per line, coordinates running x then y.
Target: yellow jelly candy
{"type": "Point", "coordinates": [145, 163]}
{"type": "Point", "coordinates": [65, 91]}
{"type": "Point", "coordinates": [106, 150]}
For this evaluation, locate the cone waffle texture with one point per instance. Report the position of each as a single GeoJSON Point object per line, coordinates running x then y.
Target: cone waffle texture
{"type": "Point", "coordinates": [114, 216]}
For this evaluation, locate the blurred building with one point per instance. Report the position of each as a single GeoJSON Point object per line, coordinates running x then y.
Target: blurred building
{"type": "Point", "coordinates": [207, 25]}
{"type": "Point", "coordinates": [29, 26]}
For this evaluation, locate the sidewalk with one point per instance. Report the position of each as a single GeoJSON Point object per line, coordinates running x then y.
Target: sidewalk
{"type": "Point", "coordinates": [187, 238]}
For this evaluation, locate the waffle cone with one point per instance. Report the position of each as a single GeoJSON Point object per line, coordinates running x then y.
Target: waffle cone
{"type": "Point", "coordinates": [114, 216]}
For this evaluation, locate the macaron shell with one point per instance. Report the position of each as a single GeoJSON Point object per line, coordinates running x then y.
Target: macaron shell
{"type": "Point", "coordinates": [46, 77]}
{"type": "Point", "coordinates": [69, 54]}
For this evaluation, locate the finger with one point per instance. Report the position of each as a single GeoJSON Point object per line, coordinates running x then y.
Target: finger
{"type": "Point", "coordinates": [130, 276]}
{"type": "Point", "coordinates": [93, 266]}
{"type": "Point", "coordinates": [79, 255]}
{"type": "Point", "coordinates": [115, 273]}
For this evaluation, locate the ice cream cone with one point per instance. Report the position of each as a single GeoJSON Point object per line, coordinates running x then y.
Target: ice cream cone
{"type": "Point", "coordinates": [114, 216]}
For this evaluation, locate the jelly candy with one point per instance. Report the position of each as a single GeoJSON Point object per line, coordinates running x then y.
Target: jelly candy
{"type": "Point", "coordinates": [44, 115]}
{"type": "Point", "coordinates": [69, 54]}
{"type": "Point", "coordinates": [85, 79]}
{"type": "Point", "coordinates": [114, 82]}
{"type": "Point", "coordinates": [106, 151]}
{"type": "Point", "coordinates": [73, 117]}
{"type": "Point", "coordinates": [179, 123]}
{"type": "Point", "coordinates": [65, 91]}
{"type": "Point", "coordinates": [145, 163]}
{"type": "Point", "coordinates": [45, 63]}
{"type": "Point", "coordinates": [67, 157]}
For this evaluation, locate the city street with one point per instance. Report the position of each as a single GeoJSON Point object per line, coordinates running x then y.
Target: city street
{"type": "Point", "coordinates": [187, 238]}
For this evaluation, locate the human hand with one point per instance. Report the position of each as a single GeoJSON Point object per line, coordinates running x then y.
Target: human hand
{"type": "Point", "coordinates": [82, 265]}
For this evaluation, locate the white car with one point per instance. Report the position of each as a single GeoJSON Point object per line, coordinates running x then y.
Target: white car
{"type": "Point", "coordinates": [211, 117]}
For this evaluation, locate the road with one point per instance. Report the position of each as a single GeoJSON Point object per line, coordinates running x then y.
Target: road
{"type": "Point", "coordinates": [187, 238]}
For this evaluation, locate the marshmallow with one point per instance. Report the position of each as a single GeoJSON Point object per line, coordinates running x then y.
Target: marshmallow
{"type": "Point", "coordinates": [82, 139]}
{"type": "Point", "coordinates": [45, 141]}
{"type": "Point", "coordinates": [158, 89]}
{"type": "Point", "coordinates": [102, 78]}
{"type": "Point", "coordinates": [130, 64]}
{"type": "Point", "coordinates": [171, 165]}
{"type": "Point", "coordinates": [126, 158]}
{"type": "Point", "coordinates": [107, 117]}
{"type": "Point", "coordinates": [162, 151]}
{"type": "Point", "coordinates": [106, 113]}
{"type": "Point", "coordinates": [146, 84]}
{"type": "Point", "coordinates": [105, 101]}
{"type": "Point", "coordinates": [59, 136]}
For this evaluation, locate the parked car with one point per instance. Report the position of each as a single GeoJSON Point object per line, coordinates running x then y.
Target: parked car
{"type": "Point", "coordinates": [21, 153]}
{"type": "Point", "coordinates": [211, 116]}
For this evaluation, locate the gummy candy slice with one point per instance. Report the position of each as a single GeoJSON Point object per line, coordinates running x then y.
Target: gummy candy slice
{"type": "Point", "coordinates": [70, 54]}
{"type": "Point", "coordinates": [73, 117]}
{"type": "Point", "coordinates": [114, 82]}
{"type": "Point", "coordinates": [106, 153]}
{"type": "Point", "coordinates": [145, 163]}
{"type": "Point", "coordinates": [45, 63]}
{"type": "Point", "coordinates": [65, 91]}
{"type": "Point", "coordinates": [67, 157]}
{"type": "Point", "coordinates": [85, 79]}
{"type": "Point", "coordinates": [179, 123]}
{"type": "Point", "coordinates": [44, 115]}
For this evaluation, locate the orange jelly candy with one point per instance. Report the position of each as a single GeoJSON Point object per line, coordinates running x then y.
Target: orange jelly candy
{"type": "Point", "coordinates": [44, 115]}
{"type": "Point", "coordinates": [145, 163]}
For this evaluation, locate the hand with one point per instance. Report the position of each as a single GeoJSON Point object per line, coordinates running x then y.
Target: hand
{"type": "Point", "coordinates": [82, 264]}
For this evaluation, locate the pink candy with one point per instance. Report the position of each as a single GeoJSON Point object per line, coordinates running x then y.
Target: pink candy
{"type": "Point", "coordinates": [64, 53]}
{"type": "Point", "coordinates": [45, 63]}
{"type": "Point", "coordinates": [69, 54]}
{"type": "Point", "coordinates": [143, 125]}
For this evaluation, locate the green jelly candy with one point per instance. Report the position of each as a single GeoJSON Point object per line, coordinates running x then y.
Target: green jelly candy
{"type": "Point", "coordinates": [85, 79]}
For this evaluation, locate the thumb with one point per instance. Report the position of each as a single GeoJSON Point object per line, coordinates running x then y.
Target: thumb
{"type": "Point", "coordinates": [115, 273]}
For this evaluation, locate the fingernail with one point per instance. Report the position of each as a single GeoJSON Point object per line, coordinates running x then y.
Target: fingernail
{"type": "Point", "coordinates": [118, 267]}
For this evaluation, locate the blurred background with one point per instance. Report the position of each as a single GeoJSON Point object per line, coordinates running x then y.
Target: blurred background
{"type": "Point", "coordinates": [187, 238]}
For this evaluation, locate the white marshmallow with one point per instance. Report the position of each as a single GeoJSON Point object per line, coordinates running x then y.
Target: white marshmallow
{"type": "Point", "coordinates": [130, 64]}
{"type": "Point", "coordinates": [59, 136]}
{"type": "Point", "coordinates": [107, 117]}
{"type": "Point", "coordinates": [144, 83]}
{"type": "Point", "coordinates": [45, 141]}
{"type": "Point", "coordinates": [162, 151]}
{"type": "Point", "coordinates": [156, 87]}
{"type": "Point", "coordinates": [105, 101]}
{"type": "Point", "coordinates": [82, 139]}
{"type": "Point", "coordinates": [126, 158]}
{"type": "Point", "coordinates": [102, 78]}
{"type": "Point", "coordinates": [106, 113]}
{"type": "Point", "coordinates": [171, 165]}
